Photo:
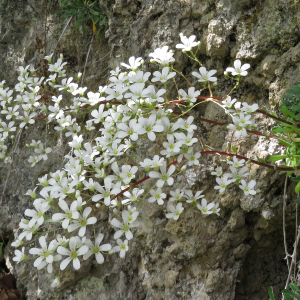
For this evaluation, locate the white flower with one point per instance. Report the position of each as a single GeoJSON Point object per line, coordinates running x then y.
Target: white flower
{"type": "Point", "coordinates": [249, 109]}
{"type": "Point", "coordinates": [99, 114]}
{"type": "Point", "coordinates": [134, 63]}
{"type": "Point", "coordinates": [55, 283]}
{"type": "Point", "coordinates": [128, 173]}
{"type": "Point", "coordinates": [131, 129]}
{"type": "Point", "coordinates": [20, 255]}
{"type": "Point", "coordinates": [248, 188]}
{"type": "Point", "coordinates": [70, 213]}
{"type": "Point", "coordinates": [122, 247]}
{"type": "Point", "coordinates": [139, 76]}
{"type": "Point", "coordinates": [37, 216]}
{"type": "Point", "coordinates": [131, 197]}
{"type": "Point", "coordinates": [94, 98]}
{"type": "Point", "coordinates": [205, 208]}
{"type": "Point", "coordinates": [162, 56]}
{"type": "Point", "coordinates": [187, 124]}
{"type": "Point", "coordinates": [158, 196]}
{"type": "Point", "coordinates": [45, 253]}
{"type": "Point", "coordinates": [152, 95]}
{"type": "Point", "coordinates": [106, 192]}
{"type": "Point", "coordinates": [96, 249]}
{"type": "Point", "coordinates": [216, 208]}
{"type": "Point", "coordinates": [31, 193]}
{"type": "Point", "coordinates": [188, 194]}
{"type": "Point", "coordinates": [27, 231]}
{"type": "Point", "coordinates": [76, 143]}
{"type": "Point", "coordinates": [228, 102]}
{"type": "Point", "coordinates": [171, 147]}
{"type": "Point", "coordinates": [48, 57]}
{"type": "Point", "coordinates": [223, 182]}
{"type": "Point", "coordinates": [148, 126]}
{"type": "Point", "coordinates": [157, 161]}
{"type": "Point", "coordinates": [17, 243]}
{"type": "Point", "coordinates": [12, 111]}
{"type": "Point", "coordinates": [193, 158]}
{"type": "Point", "coordinates": [175, 211]}
{"type": "Point", "coordinates": [238, 174]}
{"type": "Point", "coordinates": [218, 172]}
{"type": "Point", "coordinates": [236, 163]}
{"type": "Point", "coordinates": [238, 130]}
{"type": "Point", "coordinates": [238, 69]}
{"type": "Point", "coordinates": [116, 92]}
{"type": "Point", "coordinates": [137, 91]}
{"type": "Point", "coordinates": [205, 75]}
{"type": "Point", "coordinates": [115, 149]}
{"type": "Point", "coordinates": [126, 225]}
{"type": "Point", "coordinates": [73, 253]}
{"type": "Point", "coordinates": [177, 195]}
{"type": "Point", "coordinates": [113, 73]}
{"type": "Point", "coordinates": [82, 222]}
{"type": "Point", "coordinates": [187, 43]}
{"type": "Point", "coordinates": [164, 175]}
{"type": "Point", "coordinates": [190, 96]}
{"type": "Point", "coordinates": [163, 76]}
{"type": "Point", "coordinates": [6, 128]}
{"type": "Point", "coordinates": [33, 160]}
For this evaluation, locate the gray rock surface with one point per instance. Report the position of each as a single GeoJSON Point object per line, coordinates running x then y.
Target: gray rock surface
{"type": "Point", "coordinates": [235, 256]}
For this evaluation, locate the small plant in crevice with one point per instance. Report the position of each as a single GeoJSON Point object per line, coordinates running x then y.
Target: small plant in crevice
{"type": "Point", "coordinates": [289, 136]}
{"type": "Point", "coordinates": [292, 294]}
{"type": "Point", "coordinates": [86, 13]}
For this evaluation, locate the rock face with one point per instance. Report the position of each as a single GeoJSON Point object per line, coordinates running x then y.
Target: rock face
{"type": "Point", "coordinates": [237, 255]}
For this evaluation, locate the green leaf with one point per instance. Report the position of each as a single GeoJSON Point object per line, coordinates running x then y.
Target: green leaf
{"type": "Point", "coordinates": [271, 293]}
{"type": "Point", "coordinates": [295, 129]}
{"type": "Point", "coordinates": [234, 149]}
{"type": "Point", "coordinates": [297, 201]}
{"type": "Point", "coordinates": [281, 130]}
{"type": "Point", "coordinates": [286, 111]}
{"type": "Point", "coordinates": [284, 143]}
{"type": "Point", "coordinates": [277, 157]}
{"type": "Point", "coordinates": [289, 295]}
{"type": "Point", "coordinates": [297, 179]}
{"type": "Point", "coordinates": [294, 286]}
{"type": "Point", "coordinates": [297, 188]}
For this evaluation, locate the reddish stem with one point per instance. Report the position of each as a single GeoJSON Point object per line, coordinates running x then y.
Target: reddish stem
{"type": "Point", "coordinates": [252, 160]}
{"type": "Point", "coordinates": [260, 111]}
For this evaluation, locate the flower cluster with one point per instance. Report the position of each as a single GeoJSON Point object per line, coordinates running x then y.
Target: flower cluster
{"type": "Point", "coordinates": [131, 110]}
{"type": "Point", "coordinates": [241, 116]}
{"type": "Point", "coordinates": [238, 171]}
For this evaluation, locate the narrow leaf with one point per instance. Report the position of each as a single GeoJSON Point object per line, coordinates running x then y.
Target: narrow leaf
{"type": "Point", "coordinates": [271, 293]}
{"type": "Point", "coordinates": [286, 111]}
{"type": "Point", "coordinates": [278, 157]}
{"type": "Point", "coordinates": [284, 143]}
{"type": "Point", "coordinates": [294, 286]}
{"type": "Point", "coordinates": [289, 295]}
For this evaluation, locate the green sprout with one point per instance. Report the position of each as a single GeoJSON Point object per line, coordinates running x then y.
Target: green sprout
{"type": "Point", "coordinates": [86, 13]}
